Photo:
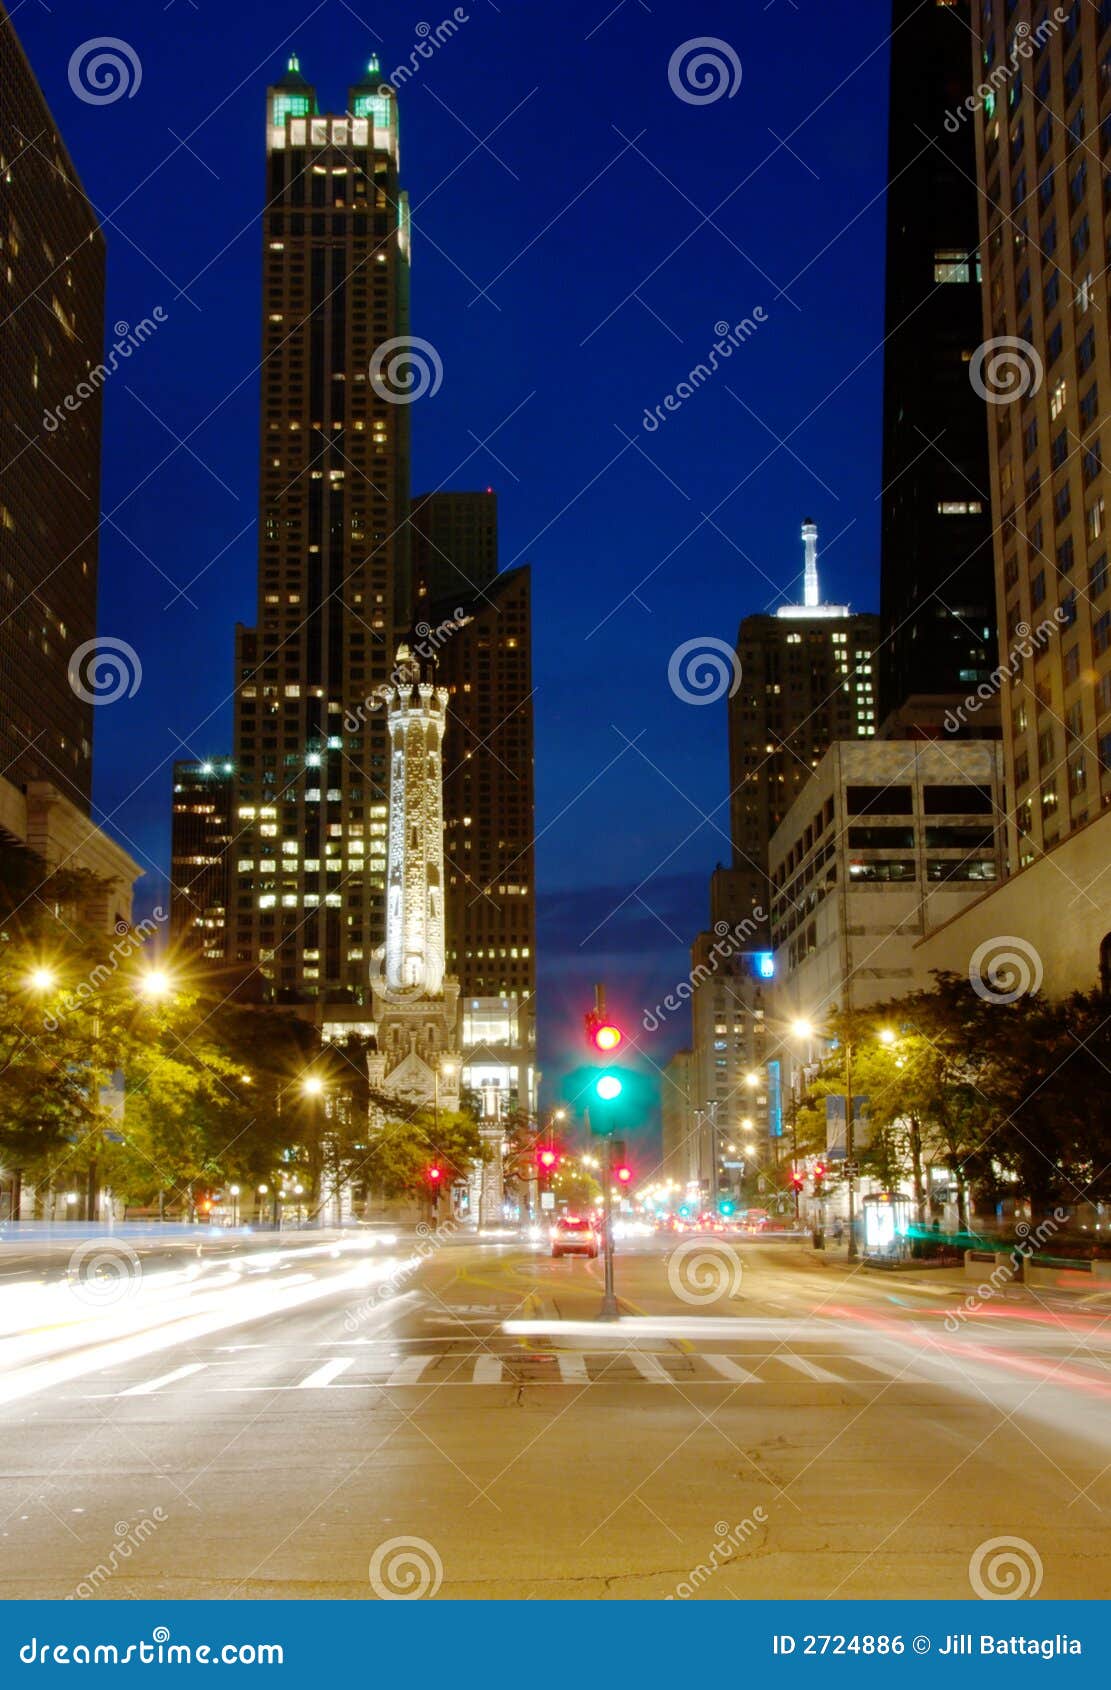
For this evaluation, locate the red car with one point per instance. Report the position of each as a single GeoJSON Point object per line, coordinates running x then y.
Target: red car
{"type": "Point", "coordinates": [573, 1236]}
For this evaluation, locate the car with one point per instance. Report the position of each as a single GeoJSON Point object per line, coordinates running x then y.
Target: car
{"type": "Point", "coordinates": [574, 1236]}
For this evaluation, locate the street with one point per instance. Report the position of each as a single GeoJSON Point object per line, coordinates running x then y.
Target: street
{"type": "Point", "coordinates": [258, 1424]}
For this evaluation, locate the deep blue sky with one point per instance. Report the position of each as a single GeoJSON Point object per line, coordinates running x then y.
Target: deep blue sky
{"type": "Point", "coordinates": [561, 229]}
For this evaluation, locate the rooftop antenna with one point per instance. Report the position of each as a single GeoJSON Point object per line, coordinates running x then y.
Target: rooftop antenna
{"type": "Point", "coordinates": [810, 596]}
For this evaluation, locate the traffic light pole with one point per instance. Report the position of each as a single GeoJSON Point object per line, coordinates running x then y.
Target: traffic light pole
{"type": "Point", "coordinates": [609, 1309]}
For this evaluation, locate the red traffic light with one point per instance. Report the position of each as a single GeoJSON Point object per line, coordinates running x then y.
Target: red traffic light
{"type": "Point", "coordinates": [435, 1174]}
{"type": "Point", "coordinates": [797, 1182]}
{"type": "Point", "coordinates": [547, 1159]}
{"type": "Point", "coordinates": [820, 1171]}
{"type": "Point", "coordinates": [624, 1174]}
{"type": "Point", "coordinates": [604, 1035]}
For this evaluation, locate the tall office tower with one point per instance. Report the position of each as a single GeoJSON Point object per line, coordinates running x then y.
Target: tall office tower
{"type": "Point", "coordinates": [454, 544]}
{"type": "Point", "coordinates": [200, 837]}
{"type": "Point", "coordinates": [51, 338]}
{"type": "Point", "coordinates": [311, 796]}
{"type": "Point", "coordinates": [679, 1158]}
{"type": "Point", "coordinates": [1045, 240]}
{"type": "Point", "coordinates": [937, 597]}
{"type": "Point", "coordinates": [807, 679]}
{"type": "Point", "coordinates": [484, 659]}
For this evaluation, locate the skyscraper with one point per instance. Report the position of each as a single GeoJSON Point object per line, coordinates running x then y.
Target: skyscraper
{"type": "Point", "coordinates": [454, 543]}
{"type": "Point", "coordinates": [1045, 253]}
{"type": "Point", "coordinates": [937, 599]}
{"type": "Point", "coordinates": [51, 338]}
{"type": "Point", "coordinates": [311, 796]}
{"type": "Point", "coordinates": [807, 679]}
{"type": "Point", "coordinates": [200, 863]}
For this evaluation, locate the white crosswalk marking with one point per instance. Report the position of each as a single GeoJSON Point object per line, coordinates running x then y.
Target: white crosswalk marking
{"type": "Point", "coordinates": [902, 1374]}
{"type": "Point", "coordinates": [649, 1368]}
{"type": "Point", "coordinates": [487, 1371]}
{"type": "Point", "coordinates": [321, 1376]}
{"type": "Point", "coordinates": [730, 1370]}
{"type": "Point", "coordinates": [150, 1385]}
{"type": "Point", "coordinates": [410, 1370]}
{"type": "Point", "coordinates": [802, 1364]}
{"type": "Point", "coordinates": [572, 1369]}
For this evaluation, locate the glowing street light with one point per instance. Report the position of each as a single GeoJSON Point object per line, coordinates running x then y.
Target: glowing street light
{"type": "Point", "coordinates": [802, 1029]}
{"type": "Point", "coordinates": [312, 1085]}
{"type": "Point", "coordinates": [43, 979]}
{"type": "Point", "coordinates": [155, 983]}
{"type": "Point", "coordinates": [887, 1036]}
{"type": "Point", "coordinates": [752, 1081]}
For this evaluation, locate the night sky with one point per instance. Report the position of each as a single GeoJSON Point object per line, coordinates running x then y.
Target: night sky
{"type": "Point", "coordinates": [567, 271]}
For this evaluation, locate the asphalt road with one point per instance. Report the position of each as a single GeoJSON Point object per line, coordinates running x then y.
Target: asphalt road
{"type": "Point", "coordinates": [761, 1423]}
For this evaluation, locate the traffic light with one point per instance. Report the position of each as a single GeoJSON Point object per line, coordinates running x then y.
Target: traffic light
{"type": "Point", "coordinates": [434, 1175]}
{"type": "Point", "coordinates": [797, 1182]}
{"type": "Point", "coordinates": [606, 1084]}
{"type": "Point", "coordinates": [623, 1172]}
{"type": "Point", "coordinates": [726, 1208]}
{"type": "Point", "coordinates": [547, 1159]}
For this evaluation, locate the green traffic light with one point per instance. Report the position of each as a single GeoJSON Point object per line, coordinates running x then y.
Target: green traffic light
{"type": "Point", "coordinates": [608, 1087]}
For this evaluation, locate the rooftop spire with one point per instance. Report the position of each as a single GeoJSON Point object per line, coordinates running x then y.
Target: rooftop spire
{"type": "Point", "coordinates": [810, 596]}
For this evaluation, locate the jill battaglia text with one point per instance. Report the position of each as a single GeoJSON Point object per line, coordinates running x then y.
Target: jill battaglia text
{"type": "Point", "coordinates": [952, 1643]}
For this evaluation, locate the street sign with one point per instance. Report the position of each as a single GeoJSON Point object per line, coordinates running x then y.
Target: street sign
{"type": "Point", "coordinates": [547, 1199]}
{"type": "Point", "coordinates": [851, 1170]}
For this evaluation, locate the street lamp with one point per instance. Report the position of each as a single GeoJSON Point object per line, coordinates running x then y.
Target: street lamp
{"type": "Point", "coordinates": [155, 983]}
{"type": "Point", "coordinates": [42, 979]}
{"type": "Point", "coordinates": [233, 1193]}
{"type": "Point", "coordinates": [312, 1085]}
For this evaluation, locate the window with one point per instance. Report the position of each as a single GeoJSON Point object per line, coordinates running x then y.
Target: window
{"type": "Point", "coordinates": [881, 838]}
{"type": "Point", "coordinates": [959, 839]}
{"type": "Point", "coordinates": [951, 266]}
{"type": "Point", "coordinates": [957, 801]}
{"type": "Point", "coordinates": [902, 868]}
{"type": "Point", "coordinates": [1057, 399]}
{"type": "Point", "coordinates": [956, 868]}
{"type": "Point", "coordinates": [879, 800]}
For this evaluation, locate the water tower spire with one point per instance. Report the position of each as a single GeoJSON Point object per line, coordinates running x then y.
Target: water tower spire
{"type": "Point", "coordinates": [810, 597]}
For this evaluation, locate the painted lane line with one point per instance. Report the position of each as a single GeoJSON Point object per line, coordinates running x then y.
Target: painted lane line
{"type": "Point", "coordinates": [150, 1385]}
{"type": "Point", "coordinates": [730, 1370]}
{"type": "Point", "coordinates": [322, 1376]}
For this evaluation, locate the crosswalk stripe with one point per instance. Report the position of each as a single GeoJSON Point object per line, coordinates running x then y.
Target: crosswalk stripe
{"type": "Point", "coordinates": [150, 1385]}
{"type": "Point", "coordinates": [901, 1374]}
{"type": "Point", "coordinates": [729, 1370]}
{"type": "Point", "coordinates": [801, 1364]}
{"type": "Point", "coordinates": [487, 1371]}
{"type": "Point", "coordinates": [572, 1369]}
{"type": "Point", "coordinates": [321, 1376]}
{"type": "Point", "coordinates": [649, 1368]}
{"type": "Point", "coordinates": [410, 1370]}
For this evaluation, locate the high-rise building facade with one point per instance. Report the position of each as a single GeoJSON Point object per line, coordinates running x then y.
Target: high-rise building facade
{"type": "Point", "coordinates": [807, 678]}
{"type": "Point", "coordinates": [937, 599]}
{"type": "Point", "coordinates": [51, 340]}
{"type": "Point", "coordinates": [200, 856]}
{"type": "Point", "coordinates": [311, 799]}
{"type": "Point", "coordinates": [1046, 235]}
{"type": "Point", "coordinates": [454, 539]}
